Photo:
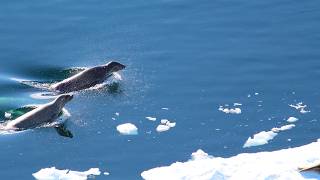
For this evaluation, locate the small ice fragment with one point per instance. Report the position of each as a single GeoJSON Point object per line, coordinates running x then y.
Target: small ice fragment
{"type": "Point", "coordinates": [292, 119]}
{"type": "Point", "coordinates": [300, 106]}
{"type": "Point", "coordinates": [283, 128]}
{"type": "Point", "coordinates": [162, 128]}
{"type": "Point", "coordinates": [231, 111]}
{"type": "Point", "coordinates": [151, 118]}
{"type": "Point", "coordinates": [170, 124]}
{"type": "Point", "coordinates": [7, 115]}
{"type": "Point", "coordinates": [164, 121]}
{"type": "Point", "coordinates": [165, 108]}
{"type": "Point", "coordinates": [249, 95]}
{"type": "Point", "coordinates": [117, 114]}
{"type": "Point", "coordinates": [106, 173]}
{"type": "Point", "coordinates": [260, 138]}
{"type": "Point", "coordinates": [264, 137]}
{"type": "Point", "coordinates": [237, 104]}
{"type": "Point", "coordinates": [256, 93]}
{"type": "Point", "coordinates": [127, 129]}
{"type": "Point", "coordinates": [113, 118]}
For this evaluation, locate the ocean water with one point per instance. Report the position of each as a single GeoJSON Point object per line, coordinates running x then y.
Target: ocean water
{"type": "Point", "coordinates": [187, 56]}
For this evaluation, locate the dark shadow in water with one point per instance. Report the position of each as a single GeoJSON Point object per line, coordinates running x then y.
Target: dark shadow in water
{"type": "Point", "coordinates": [15, 113]}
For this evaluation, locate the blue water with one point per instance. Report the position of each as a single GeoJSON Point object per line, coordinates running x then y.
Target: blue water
{"type": "Point", "coordinates": [188, 56]}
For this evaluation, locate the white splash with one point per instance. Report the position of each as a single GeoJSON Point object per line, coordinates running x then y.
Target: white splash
{"type": "Point", "coordinates": [42, 95]}
{"type": "Point", "coordinates": [7, 115]}
{"type": "Point", "coordinates": [127, 129]}
{"type": "Point", "coordinates": [264, 137]}
{"type": "Point", "coordinates": [117, 76]}
{"type": "Point", "coordinates": [66, 174]}
{"type": "Point", "coordinates": [276, 165]}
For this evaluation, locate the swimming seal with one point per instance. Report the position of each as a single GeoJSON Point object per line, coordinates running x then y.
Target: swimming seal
{"type": "Point", "coordinates": [41, 115]}
{"type": "Point", "coordinates": [87, 78]}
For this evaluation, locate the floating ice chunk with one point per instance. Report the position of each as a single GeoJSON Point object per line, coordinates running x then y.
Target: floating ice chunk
{"type": "Point", "coordinates": [256, 94]}
{"type": "Point", "coordinates": [151, 118]}
{"type": "Point", "coordinates": [292, 119]}
{"type": "Point", "coordinates": [231, 111]}
{"type": "Point", "coordinates": [117, 114]}
{"type": "Point", "coordinates": [53, 174]}
{"type": "Point", "coordinates": [264, 137]}
{"type": "Point", "coordinates": [106, 173]}
{"type": "Point", "coordinates": [127, 129]}
{"type": "Point", "coordinates": [165, 125]}
{"type": "Point", "coordinates": [170, 124]}
{"type": "Point", "coordinates": [300, 106]}
{"type": "Point", "coordinates": [276, 165]}
{"type": "Point", "coordinates": [164, 121]}
{"type": "Point", "coordinates": [165, 108]}
{"type": "Point", "coordinates": [283, 128]}
{"type": "Point", "coordinates": [161, 128]}
{"type": "Point", "coordinates": [260, 138]}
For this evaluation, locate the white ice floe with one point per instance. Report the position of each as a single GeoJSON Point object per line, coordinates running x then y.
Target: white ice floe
{"type": "Point", "coordinates": [264, 137]}
{"type": "Point", "coordinates": [300, 106]}
{"type": "Point", "coordinates": [117, 114]}
{"type": "Point", "coordinates": [292, 119]}
{"type": "Point", "coordinates": [283, 128]}
{"type": "Point", "coordinates": [237, 104]}
{"type": "Point", "coordinates": [165, 108]}
{"type": "Point", "coordinates": [260, 138]}
{"type": "Point", "coordinates": [127, 129]}
{"type": "Point", "coordinates": [230, 110]}
{"type": "Point", "coordinates": [66, 174]}
{"type": "Point", "coordinates": [151, 118]}
{"type": "Point", "coordinates": [276, 165]}
{"type": "Point", "coordinates": [165, 125]}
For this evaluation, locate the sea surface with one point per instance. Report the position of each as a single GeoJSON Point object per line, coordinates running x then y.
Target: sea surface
{"type": "Point", "coordinates": [184, 59]}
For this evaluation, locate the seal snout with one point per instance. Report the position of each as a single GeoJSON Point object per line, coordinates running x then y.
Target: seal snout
{"type": "Point", "coordinates": [69, 97]}
{"type": "Point", "coordinates": [115, 66]}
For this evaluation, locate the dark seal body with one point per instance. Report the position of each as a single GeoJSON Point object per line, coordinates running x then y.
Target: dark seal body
{"type": "Point", "coordinates": [87, 78]}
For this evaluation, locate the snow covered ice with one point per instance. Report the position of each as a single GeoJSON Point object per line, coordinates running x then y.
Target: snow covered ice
{"type": "Point", "coordinates": [276, 165]}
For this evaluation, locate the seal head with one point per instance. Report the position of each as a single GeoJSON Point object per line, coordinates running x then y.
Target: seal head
{"type": "Point", "coordinates": [113, 66]}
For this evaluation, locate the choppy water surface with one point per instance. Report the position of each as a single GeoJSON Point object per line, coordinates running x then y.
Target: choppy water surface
{"type": "Point", "coordinates": [187, 56]}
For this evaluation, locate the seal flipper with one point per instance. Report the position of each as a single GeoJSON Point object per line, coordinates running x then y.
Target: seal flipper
{"type": "Point", "coordinates": [63, 131]}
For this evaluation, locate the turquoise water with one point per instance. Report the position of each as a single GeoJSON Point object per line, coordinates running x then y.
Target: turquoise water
{"type": "Point", "coordinates": [188, 56]}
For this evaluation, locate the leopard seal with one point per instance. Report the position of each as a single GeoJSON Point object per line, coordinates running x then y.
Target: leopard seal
{"type": "Point", "coordinates": [41, 115]}
{"type": "Point", "coordinates": [87, 78]}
